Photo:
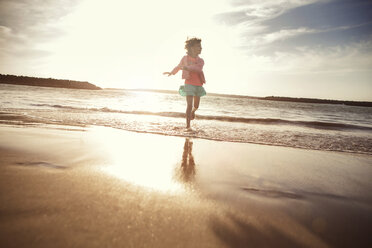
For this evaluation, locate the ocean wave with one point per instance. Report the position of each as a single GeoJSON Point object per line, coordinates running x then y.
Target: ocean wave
{"type": "Point", "coordinates": [225, 118]}
{"type": "Point", "coordinates": [341, 141]}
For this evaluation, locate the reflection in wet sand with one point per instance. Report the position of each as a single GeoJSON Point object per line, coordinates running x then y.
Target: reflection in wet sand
{"type": "Point", "coordinates": [186, 173]}
{"type": "Point", "coordinates": [140, 164]}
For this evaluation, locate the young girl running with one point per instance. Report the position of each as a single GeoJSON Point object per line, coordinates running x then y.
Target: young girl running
{"type": "Point", "coordinates": [192, 71]}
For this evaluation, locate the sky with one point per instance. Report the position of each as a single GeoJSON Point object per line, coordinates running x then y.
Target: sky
{"type": "Point", "coordinates": [296, 48]}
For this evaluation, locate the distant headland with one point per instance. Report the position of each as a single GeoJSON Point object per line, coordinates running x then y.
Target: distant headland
{"type": "Point", "coordinates": [312, 100]}
{"type": "Point", "coordinates": [46, 82]}
{"type": "Point", "coordinates": [303, 100]}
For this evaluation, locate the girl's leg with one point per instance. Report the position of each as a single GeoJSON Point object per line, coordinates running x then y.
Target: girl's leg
{"type": "Point", "coordinates": [196, 106]}
{"type": "Point", "coordinates": [188, 110]}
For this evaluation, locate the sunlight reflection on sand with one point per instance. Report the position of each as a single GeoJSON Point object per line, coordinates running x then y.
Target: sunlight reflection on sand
{"type": "Point", "coordinates": [135, 160]}
{"type": "Point", "coordinates": [153, 179]}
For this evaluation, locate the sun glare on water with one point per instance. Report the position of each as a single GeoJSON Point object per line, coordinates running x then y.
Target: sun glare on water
{"type": "Point", "coordinates": [145, 100]}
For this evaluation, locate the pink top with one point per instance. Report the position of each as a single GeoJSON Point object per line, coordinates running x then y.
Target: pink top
{"type": "Point", "coordinates": [192, 70]}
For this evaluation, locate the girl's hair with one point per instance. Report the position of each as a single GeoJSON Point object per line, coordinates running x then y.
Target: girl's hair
{"type": "Point", "coordinates": [191, 42]}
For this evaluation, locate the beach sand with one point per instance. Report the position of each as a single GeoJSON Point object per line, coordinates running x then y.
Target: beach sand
{"type": "Point", "coordinates": [102, 187]}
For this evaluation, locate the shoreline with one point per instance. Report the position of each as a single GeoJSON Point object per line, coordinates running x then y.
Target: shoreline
{"type": "Point", "coordinates": [99, 186]}
{"type": "Point", "coordinates": [8, 118]}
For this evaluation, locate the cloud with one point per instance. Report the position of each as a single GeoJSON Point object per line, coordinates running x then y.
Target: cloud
{"type": "Point", "coordinates": [319, 22]}
{"type": "Point", "coordinates": [25, 14]}
{"type": "Point", "coordinates": [251, 17]}
{"type": "Point", "coordinates": [322, 15]}
{"type": "Point", "coordinates": [303, 36]}
{"type": "Point", "coordinates": [280, 35]}
{"type": "Point", "coordinates": [258, 11]}
{"type": "Point", "coordinates": [285, 45]}
{"type": "Point", "coordinates": [24, 24]}
{"type": "Point", "coordinates": [354, 57]}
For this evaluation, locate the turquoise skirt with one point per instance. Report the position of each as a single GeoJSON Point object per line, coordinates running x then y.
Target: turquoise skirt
{"type": "Point", "coordinates": [192, 90]}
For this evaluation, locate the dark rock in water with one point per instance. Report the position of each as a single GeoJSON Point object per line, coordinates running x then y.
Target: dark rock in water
{"type": "Point", "coordinates": [46, 82]}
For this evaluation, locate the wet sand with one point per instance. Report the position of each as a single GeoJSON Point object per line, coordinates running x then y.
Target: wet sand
{"type": "Point", "coordinates": [101, 187]}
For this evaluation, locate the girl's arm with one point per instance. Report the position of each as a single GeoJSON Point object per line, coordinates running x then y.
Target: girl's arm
{"type": "Point", "coordinates": [180, 66]}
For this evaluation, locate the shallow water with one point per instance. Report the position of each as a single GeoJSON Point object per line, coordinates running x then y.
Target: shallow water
{"type": "Point", "coordinates": [234, 119]}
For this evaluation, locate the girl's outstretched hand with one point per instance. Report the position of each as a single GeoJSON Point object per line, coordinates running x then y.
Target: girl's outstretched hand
{"type": "Point", "coordinates": [167, 73]}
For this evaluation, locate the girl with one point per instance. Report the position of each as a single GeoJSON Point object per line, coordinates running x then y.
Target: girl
{"type": "Point", "coordinates": [192, 71]}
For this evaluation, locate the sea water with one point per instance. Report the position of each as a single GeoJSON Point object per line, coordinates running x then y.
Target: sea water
{"type": "Point", "coordinates": [333, 127]}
